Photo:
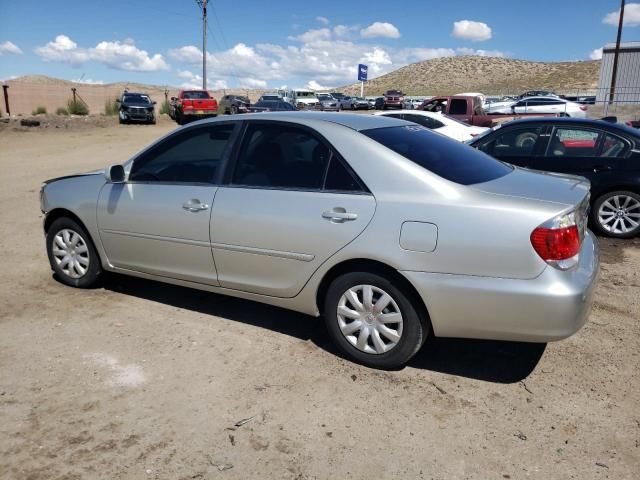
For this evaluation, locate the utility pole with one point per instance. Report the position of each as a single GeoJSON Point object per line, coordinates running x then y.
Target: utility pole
{"type": "Point", "coordinates": [5, 88]}
{"type": "Point", "coordinates": [614, 74]}
{"type": "Point", "coordinates": [203, 4]}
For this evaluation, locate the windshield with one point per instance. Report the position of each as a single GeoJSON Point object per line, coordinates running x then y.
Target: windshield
{"type": "Point", "coordinates": [135, 98]}
{"type": "Point", "coordinates": [305, 94]}
{"type": "Point", "coordinates": [270, 97]}
{"type": "Point", "coordinates": [195, 95]}
{"type": "Point", "coordinates": [326, 98]}
{"type": "Point", "coordinates": [446, 158]}
{"type": "Point", "coordinates": [274, 105]}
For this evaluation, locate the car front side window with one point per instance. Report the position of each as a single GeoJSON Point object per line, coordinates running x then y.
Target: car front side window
{"type": "Point", "coordinates": [191, 156]}
{"type": "Point", "coordinates": [512, 142]}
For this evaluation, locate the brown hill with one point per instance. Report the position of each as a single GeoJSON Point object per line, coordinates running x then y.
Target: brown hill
{"type": "Point", "coordinates": [489, 75]}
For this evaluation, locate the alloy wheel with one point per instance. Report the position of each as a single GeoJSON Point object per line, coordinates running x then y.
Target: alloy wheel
{"type": "Point", "coordinates": [71, 253]}
{"type": "Point", "coordinates": [370, 319]}
{"type": "Point", "coordinates": [619, 214]}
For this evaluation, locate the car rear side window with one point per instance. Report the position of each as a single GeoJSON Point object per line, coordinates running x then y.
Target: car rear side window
{"type": "Point", "coordinates": [276, 155]}
{"type": "Point", "coordinates": [430, 123]}
{"type": "Point", "coordinates": [445, 157]}
{"type": "Point", "coordinates": [191, 156]}
{"type": "Point", "coordinates": [340, 178]}
{"type": "Point", "coordinates": [512, 142]}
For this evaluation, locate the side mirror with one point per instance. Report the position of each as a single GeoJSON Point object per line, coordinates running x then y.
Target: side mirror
{"type": "Point", "coordinates": [114, 174]}
{"type": "Point", "coordinates": [154, 102]}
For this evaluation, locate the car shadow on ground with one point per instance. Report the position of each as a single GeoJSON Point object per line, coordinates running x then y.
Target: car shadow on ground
{"type": "Point", "coordinates": [492, 361]}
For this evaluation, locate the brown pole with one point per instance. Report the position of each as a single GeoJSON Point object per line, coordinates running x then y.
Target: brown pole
{"type": "Point", "coordinates": [5, 88]}
{"type": "Point", "coordinates": [614, 74]}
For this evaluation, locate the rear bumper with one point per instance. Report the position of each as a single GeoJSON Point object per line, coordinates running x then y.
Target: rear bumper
{"type": "Point", "coordinates": [200, 113]}
{"type": "Point", "coordinates": [553, 306]}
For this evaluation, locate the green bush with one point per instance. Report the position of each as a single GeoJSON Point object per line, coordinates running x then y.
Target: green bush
{"type": "Point", "coordinates": [77, 108]}
{"type": "Point", "coordinates": [62, 111]}
{"type": "Point", "coordinates": [111, 107]}
{"type": "Point", "coordinates": [165, 107]}
{"type": "Point", "coordinates": [39, 110]}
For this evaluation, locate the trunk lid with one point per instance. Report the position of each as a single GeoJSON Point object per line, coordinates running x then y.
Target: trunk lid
{"type": "Point", "coordinates": [569, 190]}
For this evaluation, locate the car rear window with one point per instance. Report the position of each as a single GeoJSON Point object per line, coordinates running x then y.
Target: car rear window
{"type": "Point", "coordinates": [446, 158]}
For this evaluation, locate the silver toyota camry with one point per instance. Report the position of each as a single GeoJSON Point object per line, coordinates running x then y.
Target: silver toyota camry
{"type": "Point", "coordinates": [388, 230]}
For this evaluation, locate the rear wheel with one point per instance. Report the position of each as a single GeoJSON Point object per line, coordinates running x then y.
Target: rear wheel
{"type": "Point", "coordinates": [372, 321]}
{"type": "Point", "coordinates": [72, 255]}
{"type": "Point", "coordinates": [234, 110]}
{"type": "Point", "coordinates": [617, 214]}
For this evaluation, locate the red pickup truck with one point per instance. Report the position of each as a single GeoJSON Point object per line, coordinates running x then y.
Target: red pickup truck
{"type": "Point", "coordinates": [192, 105]}
{"type": "Point", "coordinates": [470, 110]}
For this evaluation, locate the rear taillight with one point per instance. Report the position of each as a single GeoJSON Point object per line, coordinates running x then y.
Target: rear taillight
{"type": "Point", "coordinates": [558, 241]}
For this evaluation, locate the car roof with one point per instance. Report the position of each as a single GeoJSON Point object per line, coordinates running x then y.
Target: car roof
{"type": "Point", "coordinates": [350, 120]}
{"type": "Point", "coordinates": [584, 122]}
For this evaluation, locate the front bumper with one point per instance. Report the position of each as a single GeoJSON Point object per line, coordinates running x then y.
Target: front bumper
{"type": "Point", "coordinates": [553, 306]}
{"type": "Point", "coordinates": [137, 116]}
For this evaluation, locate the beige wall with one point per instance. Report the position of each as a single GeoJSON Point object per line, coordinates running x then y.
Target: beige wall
{"type": "Point", "coordinates": [25, 96]}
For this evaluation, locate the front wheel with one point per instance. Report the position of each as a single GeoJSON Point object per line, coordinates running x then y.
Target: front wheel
{"type": "Point", "coordinates": [617, 214]}
{"type": "Point", "coordinates": [372, 321]}
{"type": "Point", "coordinates": [72, 255]}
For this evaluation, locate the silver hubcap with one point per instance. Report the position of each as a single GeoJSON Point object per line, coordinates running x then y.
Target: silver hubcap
{"type": "Point", "coordinates": [619, 214]}
{"type": "Point", "coordinates": [370, 319]}
{"type": "Point", "coordinates": [71, 253]}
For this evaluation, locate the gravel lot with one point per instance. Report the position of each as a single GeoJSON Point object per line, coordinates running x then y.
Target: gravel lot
{"type": "Point", "coordinates": [140, 380]}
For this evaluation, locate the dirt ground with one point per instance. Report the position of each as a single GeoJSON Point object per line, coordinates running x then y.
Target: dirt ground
{"type": "Point", "coordinates": [140, 380]}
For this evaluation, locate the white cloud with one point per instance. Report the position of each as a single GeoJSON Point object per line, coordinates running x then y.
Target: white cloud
{"type": "Point", "coordinates": [249, 82]}
{"type": "Point", "coordinates": [9, 47]}
{"type": "Point", "coordinates": [480, 52]}
{"type": "Point", "coordinates": [470, 30]}
{"type": "Point", "coordinates": [313, 85]}
{"type": "Point", "coordinates": [323, 20]}
{"type": "Point", "coordinates": [313, 35]}
{"type": "Point", "coordinates": [380, 29]}
{"type": "Point", "coordinates": [323, 56]}
{"type": "Point", "coordinates": [631, 16]}
{"type": "Point", "coordinates": [596, 54]}
{"type": "Point", "coordinates": [87, 81]}
{"type": "Point", "coordinates": [194, 81]}
{"type": "Point", "coordinates": [118, 55]}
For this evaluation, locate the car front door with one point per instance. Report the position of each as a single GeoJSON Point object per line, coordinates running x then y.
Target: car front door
{"type": "Point", "coordinates": [288, 204]}
{"type": "Point", "coordinates": [595, 154]}
{"type": "Point", "coordinates": [515, 145]}
{"type": "Point", "coordinates": [157, 221]}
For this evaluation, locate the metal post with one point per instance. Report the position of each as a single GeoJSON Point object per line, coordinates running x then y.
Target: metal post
{"type": "Point", "coordinates": [361, 88]}
{"type": "Point", "coordinates": [74, 97]}
{"type": "Point", "coordinates": [5, 88]}
{"type": "Point", "coordinates": [614, 74]}
{"type": "Point", "coordinates": [204, 44]}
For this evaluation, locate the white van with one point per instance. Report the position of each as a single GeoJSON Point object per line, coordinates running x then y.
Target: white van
{"type": "Point", "coordinates": [305, 98]}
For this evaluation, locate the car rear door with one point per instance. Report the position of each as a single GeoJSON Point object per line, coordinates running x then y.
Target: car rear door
{"type": "Point", "coordinates": [517, 144]}
{"type": "Point", "coordinates": [157, 221]}
{"type": "Point", "coordinates": [288, 204]}
{"type": "Point", "coordinates": [590, 152]}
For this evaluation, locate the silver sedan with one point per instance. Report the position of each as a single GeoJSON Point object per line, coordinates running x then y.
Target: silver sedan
{"type": "Point", "coordinates": [390, 231]}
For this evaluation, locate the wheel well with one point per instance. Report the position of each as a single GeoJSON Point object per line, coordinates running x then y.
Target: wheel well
{"type": "Point", "coordinates": [379, 268]}
{"type": "Point", "coordinates": [57, 213]}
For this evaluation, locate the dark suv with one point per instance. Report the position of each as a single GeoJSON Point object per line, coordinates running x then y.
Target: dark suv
{"type": "Point", "coordinates": [232, 104]}
{"type": "Point", "coordinates": [136, 107]}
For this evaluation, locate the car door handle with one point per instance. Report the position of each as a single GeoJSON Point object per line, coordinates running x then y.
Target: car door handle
{"type": "Point", "coordinates": [195, 205]}
{"type": "Point", "coordinates": [339, 215]}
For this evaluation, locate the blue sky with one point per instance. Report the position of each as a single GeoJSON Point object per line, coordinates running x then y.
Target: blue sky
{"type": "Point", "coordinates": [271, 44]}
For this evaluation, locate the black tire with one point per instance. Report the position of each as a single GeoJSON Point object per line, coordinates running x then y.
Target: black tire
{"type": "Point", "coordinates": [121, 121]}
{"type": "Point", "coordinates": [414, 329]}
{"type": "Point", "coordinates": [93, 270]}
{"type": "Point", "coordinates": [152, 121]}
{"type": "Point", "coordinates": [234, 110]}
{"type": "Point", "coordinates": [179, 118]}
{"type": "Point", "coordinates": [600, 227]}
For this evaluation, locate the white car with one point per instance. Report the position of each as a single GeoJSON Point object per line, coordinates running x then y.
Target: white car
{"type": "Point", "coordinates": [562, 107]}
{"type": "Point", "coordinates": [437, 122]}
